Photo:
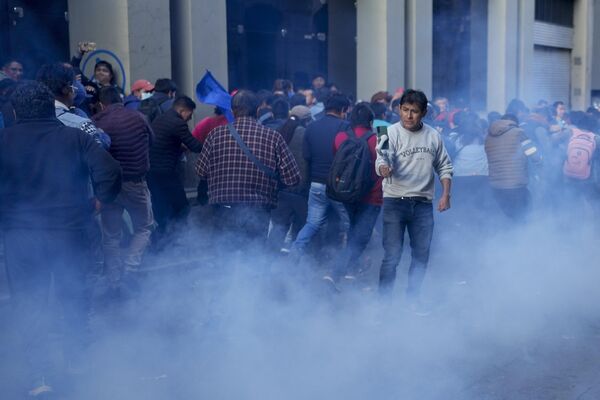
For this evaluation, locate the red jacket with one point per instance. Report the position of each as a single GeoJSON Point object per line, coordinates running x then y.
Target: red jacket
{"type": "Point", "coordinates": [207, 124]}
{"type": "Point", "coordinates": [375, 196]}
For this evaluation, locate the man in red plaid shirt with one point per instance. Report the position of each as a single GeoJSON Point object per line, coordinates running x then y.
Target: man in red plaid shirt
{"type": "Point", "coordinates": [242, 195]}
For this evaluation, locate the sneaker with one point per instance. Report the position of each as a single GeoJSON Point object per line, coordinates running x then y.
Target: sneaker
{"type": "Point", "coordinates": [331, 282]}
{"type": "Point", "coordinates": [41, 390]}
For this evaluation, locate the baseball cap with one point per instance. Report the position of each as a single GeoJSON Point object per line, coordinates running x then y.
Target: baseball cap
{"type": "Point", "coordinates": [301, 112]}
{"type": "Point", "coordinates": [142, 84]}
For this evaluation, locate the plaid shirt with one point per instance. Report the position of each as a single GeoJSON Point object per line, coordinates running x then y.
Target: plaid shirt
{"type": "Point", "coordinates": [232, 177]}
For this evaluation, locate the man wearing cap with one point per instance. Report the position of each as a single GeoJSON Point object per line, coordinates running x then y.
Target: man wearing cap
{"type": "Point", "coordinates": [140, 90]}
{"type": "Point", "coordinates": [292, 205]}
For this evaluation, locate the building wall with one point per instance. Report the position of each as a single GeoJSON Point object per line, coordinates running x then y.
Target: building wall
{"type": "Point", "coordinates": [342, 45]}
{"type": "Point", "coordinates": [596, 48]}
{"type": "Point", "coordinates": [581, 66]}
{"type": "Point", "coordinates": [137, 31]}
{"type": "Point", "coordinates": [199, 44]}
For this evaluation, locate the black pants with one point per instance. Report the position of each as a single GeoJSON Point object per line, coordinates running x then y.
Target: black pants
{"type": "Point", "coordinates": [33, 258]}
{"type": "Point", "coordinates": [241, 227]}
{"type": "Point", "coordinates": [290, 212]}
{"type": "Point", "coordinates": [514, 203]}
{"type": "Point", "coordinates": [169, 202]}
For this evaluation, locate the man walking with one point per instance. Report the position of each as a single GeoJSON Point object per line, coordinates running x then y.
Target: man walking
{"type": "Point", "coordinates": [130, 136]}
{"type": "Point", "coordinates": [45, 170]}
{"type": "Point", "coordinates": [414, 152]}
{"type": "Point", "coordinates": [318, 153]}
{"type": "Point", "coordinates": [240, 189]}
{"type": "Point", "coordinates": [171, 132]}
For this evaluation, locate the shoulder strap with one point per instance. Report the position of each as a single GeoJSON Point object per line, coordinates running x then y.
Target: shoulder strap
{"type": "Point", "coordinates": [367, 136]}
{"type": "Point", "coordinates": [266, 170]}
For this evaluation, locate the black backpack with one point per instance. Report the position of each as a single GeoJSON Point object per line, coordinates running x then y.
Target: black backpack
{"type": "Point", "coordinates": [350, 176]}
{"type": "Point", "coordinates": [151, 108]}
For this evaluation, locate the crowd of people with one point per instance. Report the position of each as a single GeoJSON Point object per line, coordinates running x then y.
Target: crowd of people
{"type": "Point", "coordinates": [296, 171]}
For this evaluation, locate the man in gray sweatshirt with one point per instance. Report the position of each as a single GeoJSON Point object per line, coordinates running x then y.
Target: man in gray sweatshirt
{"type": "Point", "coordinates": [407, 158]}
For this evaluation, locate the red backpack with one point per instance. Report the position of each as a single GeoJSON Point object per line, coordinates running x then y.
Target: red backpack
{"type": "Point", "coordinates": [580, 152]}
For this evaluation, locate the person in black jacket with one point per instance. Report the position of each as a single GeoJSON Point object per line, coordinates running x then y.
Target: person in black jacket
{"type": "Point", "coordinates": [171, 133]}
{"type": "Point", "coordinates": [45, 170]}
{"type": "Point", "coordinates": [130, 137]}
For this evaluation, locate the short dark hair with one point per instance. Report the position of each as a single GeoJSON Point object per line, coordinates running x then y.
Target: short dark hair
{"type": "Point", "coordinates": [9, 60]}
{"type": "Point", "coordinates": [516, 106]}
{"type": "Point", "coordinates": [113, 78]}
{"type": "Point", "coordinates": [7, 86]}
{"type": "Point", "coordinates": [337, 102]}
{"type": "Point", "coordinates": [297, 100]}
{"type": "Point", "coordinates": [244, 104]}
{"type": "Point", "coordinates": [493, 116]}
{"type": "Point", "coordinates": [583, 121]}
{"type": "Point", "coordinates": [281, 108]}
{"type": "Point", "coordinates": [510, 117]}
{"type": "Point", "coordinates": [379, 109]}
{"type": "Point", "coordinates": [184, 102]}
{"type": "Point", "coordinates": [165, 85]}
{"type": "Point", "coordinates": [109, 95]}
{"type": "Point", "coordinates": [417, 97]}
{"type": "Point", "coordinates": [362, 115]}
{"type": "Point", "coordinates": [322, 94]}
{"type": "Point", "coordinates": [56, 77]}
{"type": "Point", "coordinates": [32, 100]}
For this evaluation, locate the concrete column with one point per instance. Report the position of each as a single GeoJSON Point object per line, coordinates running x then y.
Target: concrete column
{"type": "Point", "coordinates": [419, 45]}
{"type": "Point", "coordinates": [503, 28]}
{"type": "Point", "coordinates": [199, 43]}
{"type": "Point", "coordinates": [581, 67]}
{"type": "Point", "coordinates": [596, 48]}
{"type": "Point", "coordinates": [380, 46]}
{"type": "Point", "coordinates": [139, 35]}
{"type": "Point", "coordinates": [526, 52]}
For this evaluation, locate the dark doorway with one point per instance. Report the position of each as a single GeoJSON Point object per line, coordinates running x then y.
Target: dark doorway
{"type": "Point", "coordinates": [274, 39]}
{"type": "Point", "coordinates": [460, 52]}
{"type": "Point", "coordinates": [34, 32]}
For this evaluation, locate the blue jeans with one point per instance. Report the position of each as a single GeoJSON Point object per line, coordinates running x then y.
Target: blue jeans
{"type": "Point", "coordinates": [318, 205]}
{"type": "Point", "coordinates": [416, 217]}
{"type": "Point", "coordinates": [363, 218]}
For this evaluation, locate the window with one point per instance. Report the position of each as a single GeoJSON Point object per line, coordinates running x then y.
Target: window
{"type": "Point", "coordinates": [559, 12]}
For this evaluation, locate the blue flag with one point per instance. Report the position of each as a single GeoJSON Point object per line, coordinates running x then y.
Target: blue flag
{"type": "Point", "coordinates": [210, 91]}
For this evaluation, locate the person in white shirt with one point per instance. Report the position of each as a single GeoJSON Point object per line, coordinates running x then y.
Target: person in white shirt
{"type": "Point", "coordinates": [407, 158]}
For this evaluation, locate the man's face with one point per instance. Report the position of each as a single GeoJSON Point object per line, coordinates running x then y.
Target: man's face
{"type": "Point", "coordinates": [310, 98]}
{"type": "Point", "coordinates": [318, 82]}
{"type": "Point", "coordinates": [102, 75]}
{"type": "Point", "coordinates": [410, 116]}
{"type": "Point", "coordinates": [69, 92]}
{"type": "Point", "coordinates": [442, 104]}
{"type": "Point", "coordinates": [186, 114]}
{"type": "Point", "coordinates": [561, 110]}
{"type": "Point", "coordinates": [14, 70]}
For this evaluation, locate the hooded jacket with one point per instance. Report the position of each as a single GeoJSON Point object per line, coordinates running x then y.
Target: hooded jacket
{"type": "Point", "coordinates": [507, 148]}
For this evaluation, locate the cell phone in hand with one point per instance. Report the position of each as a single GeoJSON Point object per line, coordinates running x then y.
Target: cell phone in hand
{"type": "Point", "coordinates": [382, 131]}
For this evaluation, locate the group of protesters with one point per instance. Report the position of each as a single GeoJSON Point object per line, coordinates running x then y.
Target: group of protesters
{"type": "Point", "coordinates": [287, 171]}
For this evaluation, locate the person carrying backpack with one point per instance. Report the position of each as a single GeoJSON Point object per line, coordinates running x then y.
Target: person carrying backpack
{"type": "Point", "coordinates": [581, 164]}
{"type": "Point", "coordinates": [162, 99]}
{"type": "Point", "coordinates": [355, 155]}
